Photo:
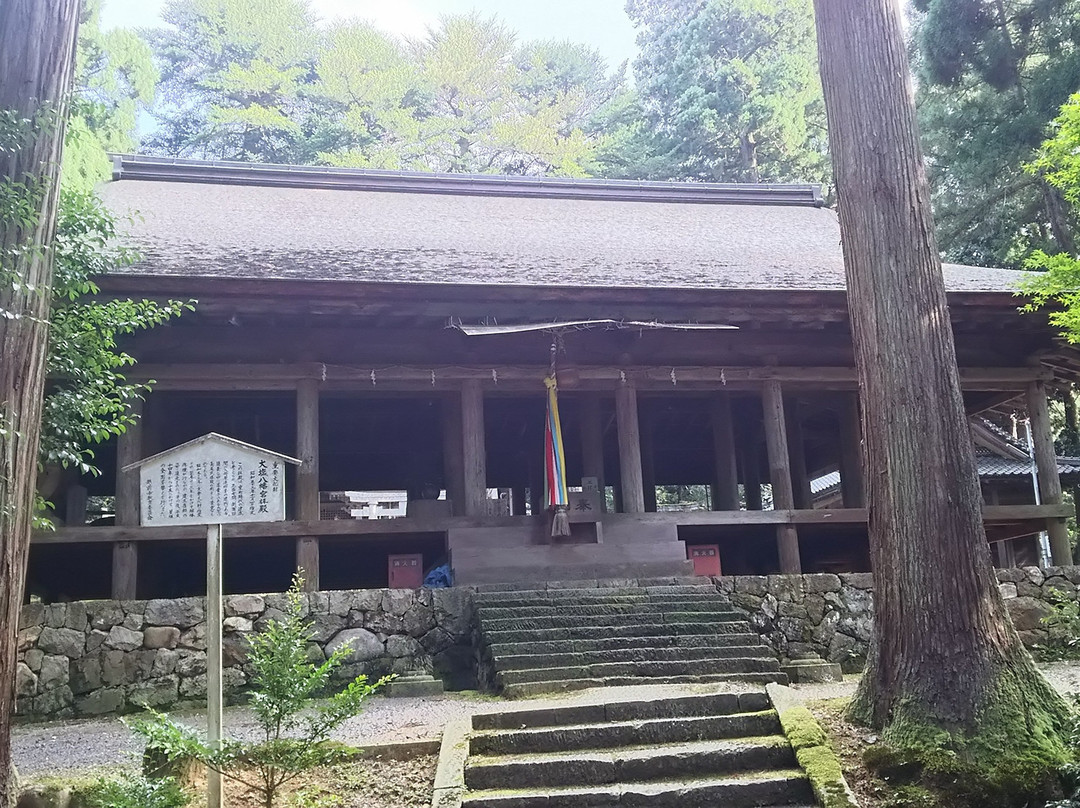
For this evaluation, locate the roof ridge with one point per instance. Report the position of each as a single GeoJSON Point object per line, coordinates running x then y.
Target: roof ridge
{"type": "Point", "coordinates": [176, 169]}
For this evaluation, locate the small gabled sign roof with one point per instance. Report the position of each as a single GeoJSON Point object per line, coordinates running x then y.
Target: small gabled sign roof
{"type": "Point", "coordinates": [214, 437]}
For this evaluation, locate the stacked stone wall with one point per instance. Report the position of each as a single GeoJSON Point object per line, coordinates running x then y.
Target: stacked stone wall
{"type": "Point", "coordinates": [832, 616]}
{"type": "Point", "coordinates": [94, 657]}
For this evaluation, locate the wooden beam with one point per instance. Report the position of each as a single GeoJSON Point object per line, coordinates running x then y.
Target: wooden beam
{"type": "Point", "coordinates": [307, 450]}
{"type": "Point", "coordinates": [1042, 438]}
{"type": "Point", "coordinates": [787, 537]}
{"type": "Point", "coordinates": [474, 452]}
{"type": "Point", "coordinates": [852, 478]}
{"type": "Point", "coordinates": [307, 561]}
{"type": "Point", "coordinates": [626, 416]}
{"type": "Point", "coordinates": [725, 475]}
{"type": "Point", "coordinates": [254, 376]}
{"type": "Point", "coordinates": [125, 569]}
{"type": "Point", "coordinates": [379, 528]}
{"type": "Point", "coordinates": [592, 442]}
{"type": "Point", "coordinates": [129, 449]}
{"type": "Point", "coordinates": [800, 477]}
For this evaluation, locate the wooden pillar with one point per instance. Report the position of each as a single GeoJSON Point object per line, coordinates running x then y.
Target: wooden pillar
{"type": "Point", "coordinates": [307, 560]}
{"type": "Point", "coordinates": [1042, 439]}
{"type": "Point", "coordinates": [75, 506]}
{"type": "Point", "coordinates": [852, 478]}
{"type": "Point", "coordinates": [125, 561]}
{"type": "Point", "coordinates": [787, 536]}
{"type": "Point", "coordinates": [648, 461]}
{"type": "Point", "coordinates": [751, 472]}
{"type": "Point", "coordinates": [592, 442]}
{"type": "Point", "coordinates": [517, 505]}
{"type": "Point", "coordinates": [474, 452]}
{"type": "Point", "coordinates": [307, 450]}
{"type": "Point", "coordinates": [453, 454]}
{"type": "Point", "coordinates": [307, 478]}
{"type": "Point", "coordinates": [800, 476]}
{"type": "Point", "coordinates": [725, 474]}
{"type": "Point", "coordinates": [626, 416]}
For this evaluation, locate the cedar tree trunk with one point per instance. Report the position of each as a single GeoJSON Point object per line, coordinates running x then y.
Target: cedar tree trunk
{"type": "Point", "coordinates": [946, 667]}
{"type": "Point", "coordinates": [37, 40]}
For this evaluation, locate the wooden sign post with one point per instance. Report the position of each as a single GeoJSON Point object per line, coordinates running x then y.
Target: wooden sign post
{"type": "Point", "coordinates": [212, 481]}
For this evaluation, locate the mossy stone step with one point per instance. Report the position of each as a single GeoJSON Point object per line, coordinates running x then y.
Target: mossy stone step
{"type": "Point", "coordinates": [596, 620]}
{"type": "Point", "coordinates": [526, 690]}
{"type": "Point", "coordinates": [772, 788]}
{"type": "Point", "coordinates": [696, 705]}
{"type": "Point", "coordinates": [509, 662]}
{"type": "Point", "coordinates": [630, 764]}
{"type": "Point", "coordinates": [641, 668]}
{"type": "Point", "coordinates": [512, 633]}
{"type": "Point", "coordinates": [644, 644]}
{"type": "Point", "coordinates": [605, 608]}
{"type": "Point", "coordinates": [624, 733]}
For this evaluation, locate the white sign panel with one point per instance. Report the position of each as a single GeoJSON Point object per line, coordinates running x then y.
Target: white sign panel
{"type": "Point", "coordinates": [212, 480]}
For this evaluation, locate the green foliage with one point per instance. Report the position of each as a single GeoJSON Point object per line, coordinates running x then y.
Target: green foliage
{"type": "Point", "coordinates": [87, 396]}
{"type": "Point", "coordinates": [730, 89]}
{"type": "Point", "coordinates": [136, 791]}
{"type": "Point", "coordinates": [991, 76]}
{"type": "Point", "coordinates": [296, 733]}
{"type": "Point", "coordinates": [1063, 629]}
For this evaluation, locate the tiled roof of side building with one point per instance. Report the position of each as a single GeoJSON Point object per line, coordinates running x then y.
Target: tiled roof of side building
{"type": "Point", "coordinates": [239, 221]}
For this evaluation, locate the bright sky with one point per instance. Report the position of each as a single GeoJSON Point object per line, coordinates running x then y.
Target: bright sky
{"type": "Point", "coordinates": [603, 24]}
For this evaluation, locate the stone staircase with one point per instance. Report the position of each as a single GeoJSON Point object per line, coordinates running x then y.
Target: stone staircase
{"type": "Point", "coordinates": [571, 637]}
{"type": "Point", "coordinates": [682, 752]}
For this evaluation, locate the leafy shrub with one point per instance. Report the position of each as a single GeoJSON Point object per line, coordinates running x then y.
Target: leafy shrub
{"type": "Point", "coordinates": [137, 791]}
{"type": "Point", "coordinates": [1063, 628]}
{"type": "Point", "coordinates": [296, 732]}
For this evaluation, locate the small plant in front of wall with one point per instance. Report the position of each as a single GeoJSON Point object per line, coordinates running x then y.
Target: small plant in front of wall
{"type": "Point", "coordinates": [1062, 629]}
{"type": "Point", "coordinates": [296, 732]}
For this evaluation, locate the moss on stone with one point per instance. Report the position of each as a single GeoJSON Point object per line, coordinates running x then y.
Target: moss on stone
{"type": "Point", "coordinates": [826, 777]}
{"type": "Point", "coordinates": [802, 729]}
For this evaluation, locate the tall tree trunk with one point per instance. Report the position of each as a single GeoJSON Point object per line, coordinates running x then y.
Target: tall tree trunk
{"type": "Point", "coordinates": [37, 40]}
{"type": "Point", "coordinates": [945, 655]}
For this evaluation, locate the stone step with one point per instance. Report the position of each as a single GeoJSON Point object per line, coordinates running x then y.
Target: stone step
{"type": "Point", "coordinates": [624, 733]}
{"type": "Point", "coordinates": [514, 634]}
{"type": "Point", "coordinates": [593, 584]}
{"type": "Point", "coordinates": [526, 690]}
{"type": "Point", "coordinates": [772, 788]}
{"type": "Point", "coordinates": [591, 621]}
{"type": "Point", "coordinates": [605, 670]}
{"type": "Point", "coordinates": [598, 593]}
{"type": "Point", "coordinates": [669, 654]}
{"type": "Point", "coordinates": [632, 764]}
{"type": "Point", "coordinates": [606, 608]}
{"type": "Point", "coordinates": [702, 704]}
{"type": "Point", "coordinates": [574, 646]}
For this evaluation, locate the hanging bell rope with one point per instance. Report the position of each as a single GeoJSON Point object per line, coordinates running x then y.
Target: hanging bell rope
{"type": "Point", "coordinates": [558, 496]}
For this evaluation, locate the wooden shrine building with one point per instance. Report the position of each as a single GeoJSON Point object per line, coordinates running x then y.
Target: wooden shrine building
{"type": "Point", "coordinates": [393, 331]}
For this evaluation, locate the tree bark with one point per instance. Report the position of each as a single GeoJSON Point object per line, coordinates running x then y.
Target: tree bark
{"type": "Point", "coordinates": [37, 39]}
{"type": "Point", "coordinates": [944, 655]}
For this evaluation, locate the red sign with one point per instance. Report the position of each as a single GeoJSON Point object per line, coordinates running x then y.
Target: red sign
{"type": "Point", "coordinates": [406, 571]}
{"type": "Point", "coordinates": [706, 558]}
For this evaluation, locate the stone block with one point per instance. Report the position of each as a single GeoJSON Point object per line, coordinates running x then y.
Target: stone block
{"type": "Point", "coordinates": [1008, 590]}
{"type": "Point", "coordinates": [180, 612]}
{"type": "Point", "coordinates": [55, 615]}
{"type": "Point", "coordinates": [104, 700]}
{"type": "Point", "coordinates": [399, 646]}
{"type": "Point", "coordinates": [752, 584]}
{"type": "Point", "coordinates": [339, 603]}
{"type": "Point", "coordinates": [165, 662]}
{"type": "Point", "coordinates": [27, 637]}
{"type": "Point", "coordinates": [31, 615]}
{"type": "Point", "coordinates": [234, 650]}
{"type": "Point", "coordinates": [54, 702]}
{"type": "Point", "coordinates": [194, 638]}
{"type": "Point", "coordinates": [193, 687]}
{"type": "Point", "coordinates": [806, 671]}
{"type": "Point", "coordinates": [118, 667]}
{"type": "Point", "coordinates": [415, 686]}
{"type": "Point", "coordinates": [327, 625]}
{"type": "Point", "coordinates": [822, 582]}
{"type": "Point", "coordinates": [858, 580]}
{"type": "Point", "coordinates": [454, 611]}
{"type": "Point", "coordinates": [86, 673]}
{"type": "Point", "coordinates": [161, 637]}
{"type": "Point", "coordinates": [1034, 574]}
{"type": "Point", "coordinates": [384, 623]}
{"type": "Point", "coordinates": [26, 681]}
{"type": "Point", "coordinates": [63, 641]}
{"type": "Point", "coordinates": [363, 645]}
{"type": "Point", "coordinates": [33, 659]}
{"type": "Point", "coordinates": [104, 614]}
{"type": "Point", "coordinates": [245, 605]}
{"type": "Point", "coordinates": [124, 639]}
{"type": "Point", "coordinates": [237, 625]}
{"type": "Point", "coordinates": [95, 639]}
{"type": "Point", "coordinates": [162, 692]}
{"type": "Point", "coordinates": [76, 616]}
{"type": "Point", "coordinates": [191, 663]}
{"type": "Point", "coordinates": [134, 621]}
{"type": "Point", "coordinates": [419, 619]}
{"type": "Point", "coordinates": [1027, 613]}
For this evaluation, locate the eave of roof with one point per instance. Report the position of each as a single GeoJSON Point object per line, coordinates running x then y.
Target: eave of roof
{"type": "Point", "coordinates": [137, 167]}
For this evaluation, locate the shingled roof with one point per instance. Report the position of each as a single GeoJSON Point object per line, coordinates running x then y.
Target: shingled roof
{"type": "Point", "coordinates": [234, 220]}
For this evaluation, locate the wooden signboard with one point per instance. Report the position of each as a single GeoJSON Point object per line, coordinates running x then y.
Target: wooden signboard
{"type": "Point", "coordinates": [212, 480]}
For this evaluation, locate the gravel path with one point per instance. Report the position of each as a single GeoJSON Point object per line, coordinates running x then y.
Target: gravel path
{"type": "Point", "coordinates": [95, 743]}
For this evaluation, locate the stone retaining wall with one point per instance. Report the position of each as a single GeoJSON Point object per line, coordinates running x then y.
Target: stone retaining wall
{"type": "Point", "coordinates": [94, 657]}
{"type": "Point", "coordinates": [832, 615]}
